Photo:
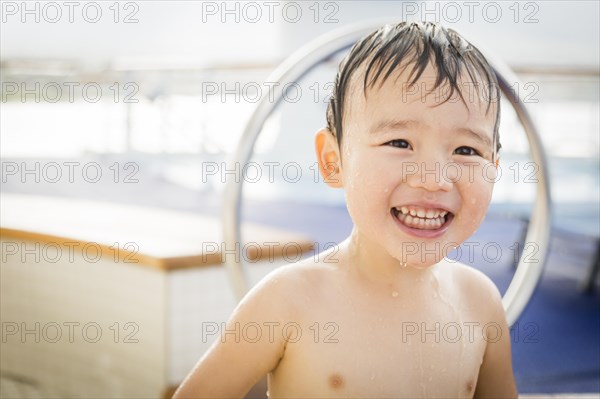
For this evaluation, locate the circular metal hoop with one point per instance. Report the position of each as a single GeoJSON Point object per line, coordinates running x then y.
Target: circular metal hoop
{"type": "Point", "coordinates": [308, 57]}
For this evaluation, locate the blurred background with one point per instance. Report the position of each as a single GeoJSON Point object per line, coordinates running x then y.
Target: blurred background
{"type": "Point", "coordinates": [139, 103]}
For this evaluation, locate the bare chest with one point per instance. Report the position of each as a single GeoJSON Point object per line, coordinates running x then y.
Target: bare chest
{"type": "Point", "coordinates": [373, 349]}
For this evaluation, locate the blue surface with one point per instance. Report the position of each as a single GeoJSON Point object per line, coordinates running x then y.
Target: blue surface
{"type": "Point", "coordinates": [558, 348]}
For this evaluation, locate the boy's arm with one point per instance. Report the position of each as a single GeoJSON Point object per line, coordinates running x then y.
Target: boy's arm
{"type": "Point", "coordinates": [496, 378]}
{"type": "Point", "coordinates": [249, 350]}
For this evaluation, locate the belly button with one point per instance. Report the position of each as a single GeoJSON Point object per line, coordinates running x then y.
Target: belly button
{"type": "Point", "coordinates": [336, 381]}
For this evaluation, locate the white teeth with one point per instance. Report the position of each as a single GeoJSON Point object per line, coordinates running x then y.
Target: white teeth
{"type": "Point", "coordinates": [421, 223]}
{"type": "Point", "coordinates": [421, 218]}
{"type": "Point", "coordinates": [422, 213]}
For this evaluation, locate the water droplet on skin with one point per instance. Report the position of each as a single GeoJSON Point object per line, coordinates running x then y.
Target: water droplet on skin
{"type": "Point", "coordinates": [385, 190]}
{"type": "Point", "coordinates": [434, 295]}
{"type": "Point", "coordinates": [432, 367]}
{"type": "Point", "coordinates": [372, 376]}
{"type": "Point", "coordinates": [394, 294]}
{"type": "Point", "coordinates": [430, 378]}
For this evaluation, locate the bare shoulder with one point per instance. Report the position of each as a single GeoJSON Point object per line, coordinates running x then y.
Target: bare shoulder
{"type": "Point", "coordinates": [304, 279]}
{"type": "Point", "coordinates": [481, 290]}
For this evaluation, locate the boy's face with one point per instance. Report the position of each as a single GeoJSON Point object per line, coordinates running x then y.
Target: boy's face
{"type": "Point", "coordinates": [404, 152]}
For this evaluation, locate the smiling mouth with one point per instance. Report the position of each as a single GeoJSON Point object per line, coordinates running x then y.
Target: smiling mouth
{"type": "Point", "coordinates": [422, 218]}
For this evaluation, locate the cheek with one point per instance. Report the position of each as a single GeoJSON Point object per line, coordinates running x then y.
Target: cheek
{"type": "Point", "coordinates": [489, 173]}
{"type": "Point", "coordinates": [476, 199]}
{"type": "Point", "coordinates": [363, 174]}
{"type": "Point", "coordinates": [366, 189]}
{"type": "Point", "coordinates": [476, 186]}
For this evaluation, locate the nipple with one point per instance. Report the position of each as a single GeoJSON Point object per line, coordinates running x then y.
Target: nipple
{"type": "Point", "coordinates": [470, 386]}
{"type": "Point", "coordinates": [336, 381]}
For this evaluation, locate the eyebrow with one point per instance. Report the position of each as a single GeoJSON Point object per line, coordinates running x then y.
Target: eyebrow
{"type": "Point", "coordinates": [400, 124]}
{"type": "Point", "coordinates": [482, 138]}
{"type": "Point", "coordinates": [397, 124]}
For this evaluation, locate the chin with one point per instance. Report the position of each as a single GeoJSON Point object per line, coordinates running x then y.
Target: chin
{"type": "Point", "coordinates": [416, 261]}
{"type": "Point", "coordinates": [421, 266]}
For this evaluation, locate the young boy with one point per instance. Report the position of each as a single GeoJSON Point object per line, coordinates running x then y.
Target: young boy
{"type": "Point", "coordinates": [412, 139]}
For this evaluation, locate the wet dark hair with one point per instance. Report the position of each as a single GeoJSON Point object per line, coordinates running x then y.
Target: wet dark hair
{"type": "Point", "coordinates": [417, 44]}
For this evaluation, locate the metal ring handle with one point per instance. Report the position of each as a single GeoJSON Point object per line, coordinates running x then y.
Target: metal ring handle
{"type": "Point", "coordinates": [303, 61]}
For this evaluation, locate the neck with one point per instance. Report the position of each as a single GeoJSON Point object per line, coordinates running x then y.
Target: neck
{"type": "Point", "coordinates": [372, 262]}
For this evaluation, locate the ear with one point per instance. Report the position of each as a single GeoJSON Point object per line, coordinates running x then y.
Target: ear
{"type": "Point", "coordinates": [328, 156]}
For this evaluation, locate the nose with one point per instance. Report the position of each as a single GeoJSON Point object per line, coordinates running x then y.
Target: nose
{"type": "Point", "coordinates": [431, 176]}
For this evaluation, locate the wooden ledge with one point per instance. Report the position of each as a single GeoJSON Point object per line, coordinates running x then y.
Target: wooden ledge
{"type": "Point", "coordinates": [162, 239]}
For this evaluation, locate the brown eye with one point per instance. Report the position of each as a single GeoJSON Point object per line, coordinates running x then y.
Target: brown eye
{"type": "Point", "coordinates": [464, 150]}
{"type": "Point", "coordinates": [399, 143]}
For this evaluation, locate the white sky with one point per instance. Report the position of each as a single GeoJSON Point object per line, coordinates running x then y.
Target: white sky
{"type": "Point", "coordinates": [564, 33]}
